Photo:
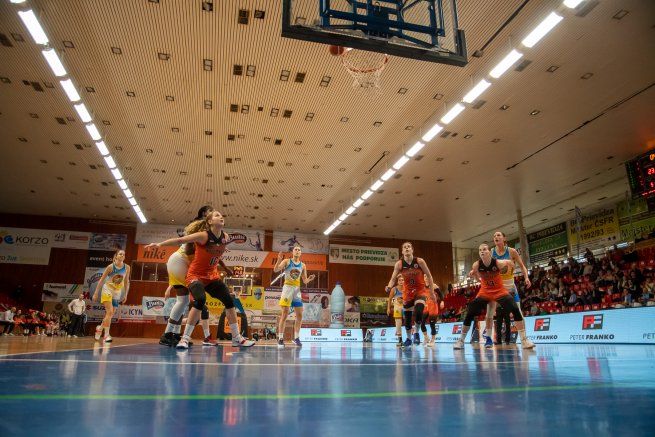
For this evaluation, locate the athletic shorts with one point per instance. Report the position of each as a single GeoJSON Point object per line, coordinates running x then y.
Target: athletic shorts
{"type": "Point", "coordinates": [108, 296]}
{"type": "Point", "coordinates": [177, 267]}
{"type": "Point", "coordinates": [291, 296]}
{"type": "Point", "coordinates": [397, 312]}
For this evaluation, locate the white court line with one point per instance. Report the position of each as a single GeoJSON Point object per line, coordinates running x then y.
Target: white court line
{"type": "Point", "coordinates": [2, 357]}
{"type": "Point", "coordinates": [286, 364]}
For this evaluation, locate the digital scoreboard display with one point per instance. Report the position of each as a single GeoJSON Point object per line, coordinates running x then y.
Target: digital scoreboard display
{"type": "Point", "coordinates": [641, 175]}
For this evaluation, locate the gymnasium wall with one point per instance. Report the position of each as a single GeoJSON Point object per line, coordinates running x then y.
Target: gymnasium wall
{"type": "Point", "coordinates": [67, 265]}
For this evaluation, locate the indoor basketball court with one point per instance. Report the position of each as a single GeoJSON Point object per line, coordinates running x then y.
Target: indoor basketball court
{"type": "Point", "coordinates": [293, 63]}
{"type": "Point", "coordinates": [137, 387]}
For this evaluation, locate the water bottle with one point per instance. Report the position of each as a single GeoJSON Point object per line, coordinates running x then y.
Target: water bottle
{"type": "Point", "coordinates": [337, 306]}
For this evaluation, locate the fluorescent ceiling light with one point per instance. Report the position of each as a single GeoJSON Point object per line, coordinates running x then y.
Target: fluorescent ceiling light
{"type": "Point", "coordinates": [54, 62]}
{"type": "Point", "coordinates": [102, 148]}
{"type": "Point", "coordinates": [93, 131]}
{"type": "Point", "coordinates": [454, 112]}
{"type": "Point", "coordinates": [336, 223]}
{"type": "Point", "coordinates": [17, 2]}
{"type": "Point", "coordinates": [342, 217]}
{"type": "Point", "coordinates": [122, 184]}
{"type": "Point", "coordinates": [142, 217]}
{"type": "Point", "coordinates": [572, 3]}
{"type": "Point", "coordinates": [70, 90]}
{"type": "Point", "coordinates": [367, 194]}
{"type": "Point", "coordinates": [415, 149]}
{"type": "Point", "coordinates": [117, 174]}
{"type": "Point", "coordinates": [358, 203]}
{"type": "Point", "coordinates": [476, 91]}
{"type": "Point", "coordinates": [83, 113]}
{"type": "Point", "coordinates": [402, 161]}
{"type": "Point", "coordinates": [132, 201]}
{"type": "Point", "coordinates": [387, 175]}
{"type": "Point", "coordinates": [540, 31]}
{"type": "Point", "coordinates": [432, 133]}
{"type": "Point", "coordinates": [33, 26]}
{"type": "Point", "coordinates": [136, 209]}
{"type": "Point", "coordinates": [328, 230]}
{"type": "Point", "coordinates": [128, 193]}
{"type": "Point", "coordinates": [376, 186]}
{"type": "Point", "coordinates": [350, 210]}
{"type": "Point", "coordinates": [110, 162]}
{"type": "Point", "coordinates": [504, 65]}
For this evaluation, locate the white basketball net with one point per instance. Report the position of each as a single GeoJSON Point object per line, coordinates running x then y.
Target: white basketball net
{"type": "Point", "coordinates": [365, 68]}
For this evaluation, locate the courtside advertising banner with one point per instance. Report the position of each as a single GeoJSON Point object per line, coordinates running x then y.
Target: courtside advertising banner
{"type": "Point", "coordinates": [157, 306]}
{"type": "Point", "coordinates": [622, 326]}
{"type": "Point", "coordinates": [376, 256]}
{"type": "Point", "coordinates": [25, 246]}
{"type": "Point", "coordinates": [53, 292]}
{"type": "Point", "coordinates": [323, 335]}
{"type": "Point", "coordinates": [133, 314]}
{"type": "Point", "coordinates": [373, 311]}
{"type": "Point", "coordinates": [309, 243]}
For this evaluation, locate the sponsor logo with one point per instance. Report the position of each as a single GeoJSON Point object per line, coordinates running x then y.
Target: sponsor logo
{"type": "Point", "coordinates": [592, 321]}
{"type": "Point", "coordinates": [346, 333]}
{"type": "Point", "coordinates": [155, 304]}
{"type": "Point", "coordinates": [383, 333]}
{"type": "Point", "coordinates": [648, 336]}
{"type": "Point", "coordinates": [237, 238]}
{"type": "Point", "coordinates": [437, 328]}
{"type": "Point", "coordinates": [316, 333]}
{"type": "Point", "coordinates": [457, 329]}
{"type": "Point", "coordinates": [542, 324]}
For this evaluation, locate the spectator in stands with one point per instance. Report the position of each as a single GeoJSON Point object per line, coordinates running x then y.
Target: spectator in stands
{"type": "Point", "coordinates": [589, 256]}
{"type": "Point", "coordinates": [587, 269]}
{"type": "Point", "coordinates": [9, 321]}
{"type": "Point", "coordinates": [573, 300]}
{"type": "Point", "coordinates": [626, 297]}
{"type": "Point", "coordinates": [648, 286]}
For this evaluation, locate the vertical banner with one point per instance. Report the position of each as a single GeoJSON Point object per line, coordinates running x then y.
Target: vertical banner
{"type": "Point", "coordinates": [547, 243]}
{"type": "Point", "coordinates": [309, 243]}
{"type": "Point", "coordinates": [598, 230]}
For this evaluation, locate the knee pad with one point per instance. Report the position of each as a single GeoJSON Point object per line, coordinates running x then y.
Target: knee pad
{"type": "Point", "coordinates": [198, 292]}
{"type": "Point", "coordinates": [418, 312]}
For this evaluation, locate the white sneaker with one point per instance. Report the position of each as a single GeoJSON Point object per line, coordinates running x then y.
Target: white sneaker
{"type": "Point", "coordinates": [182, 344]}
{"type": "Point", "coordinates": [98, 333]}
{"type": "Point", "coordinates": [527, 344]}
{"type": "Point", "coordinates": [242, 341]}
{"type": "Point", "coordinates": [459, 344]}
{"type": "Point", "coordinates": [107, 339]}
{"type": "Point", "coordinates": [280, 343]}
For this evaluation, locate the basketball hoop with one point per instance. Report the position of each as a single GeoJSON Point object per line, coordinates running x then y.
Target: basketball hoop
{"type": "Point", "coordinates": [365, 68]}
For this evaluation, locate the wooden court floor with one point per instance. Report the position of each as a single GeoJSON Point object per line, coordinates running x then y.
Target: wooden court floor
{"type": "Point", "coordinates": [59, 386]}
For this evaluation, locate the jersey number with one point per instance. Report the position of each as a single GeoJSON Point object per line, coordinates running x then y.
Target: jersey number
{"type": "Point", "coordinates": [214, 260]}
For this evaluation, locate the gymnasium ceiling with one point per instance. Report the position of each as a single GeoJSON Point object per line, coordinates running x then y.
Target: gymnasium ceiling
{"type": "Point", "coordinates": [168, 120]}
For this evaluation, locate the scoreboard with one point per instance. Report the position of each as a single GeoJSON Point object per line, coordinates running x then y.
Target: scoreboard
{"type": "Point", "coordinates": [641, 175]}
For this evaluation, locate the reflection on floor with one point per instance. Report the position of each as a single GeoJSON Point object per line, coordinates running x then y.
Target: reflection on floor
{"type": "Point", "coordinates": [137, 387]}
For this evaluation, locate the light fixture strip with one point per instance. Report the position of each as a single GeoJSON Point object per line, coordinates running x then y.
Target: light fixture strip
{"type": "Point", "coordinates": [434, 130]}
{"type": "Point", "coordinates": [33, 26]}
{"type": "Point", "coordinates": [477, 90]}
{"type": "Point", "coordinates": [453, 113]}
{"type": "Point", "coordinates": [415, 149]}
{"type": "Point", "coordinates": [70, 90]}
{"type": "Point", "coordinates": [54, 62]}
{"type": "Point", "coordinates": [504, 65]}
{"type": "Point", "coordinates": [542, 29]}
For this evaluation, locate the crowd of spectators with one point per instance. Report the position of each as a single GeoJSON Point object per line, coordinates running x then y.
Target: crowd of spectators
{"type": "Point", "coordinates": [32, 322]}
{"type": "Point", "coordinates": [618, 279]}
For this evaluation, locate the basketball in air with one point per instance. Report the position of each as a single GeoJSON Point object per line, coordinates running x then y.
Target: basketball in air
{"type": "Point", "coordinates": [336, 50]}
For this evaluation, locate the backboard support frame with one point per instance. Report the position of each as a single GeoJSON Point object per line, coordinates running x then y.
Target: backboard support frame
{"type": "Point", "coordinates": [378, 23]}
